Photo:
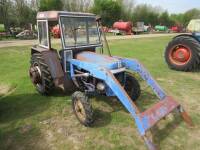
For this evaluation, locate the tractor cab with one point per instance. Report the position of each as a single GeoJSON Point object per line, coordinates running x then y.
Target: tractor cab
{"type": "Point", "coordinates": [78, 31]}
{"type": "Point", "coordinates": [80, 37]}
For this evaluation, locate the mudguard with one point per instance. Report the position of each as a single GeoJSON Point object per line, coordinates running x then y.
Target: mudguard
{"type": "Point", "coordinates": [196, 36]}
{"type": "Point", "coordinates": [52, 59]}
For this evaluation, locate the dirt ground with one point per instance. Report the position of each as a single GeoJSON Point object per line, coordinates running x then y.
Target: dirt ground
{"type": "Point", "coordinates": [56, 41]}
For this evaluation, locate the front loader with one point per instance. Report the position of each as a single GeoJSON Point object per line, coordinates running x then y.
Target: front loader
{"type": "Point", "coordinates": [78, 67]}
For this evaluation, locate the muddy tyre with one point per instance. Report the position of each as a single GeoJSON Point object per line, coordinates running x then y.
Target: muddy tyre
{"type": "Point", "coordinates": [82, 108]}
{"type": "Point", "coordinates": [183, 54]}
{"type": "Point", "coordinates": [132, 87]}
{"type": "Point", "coordinates": [40, 74]}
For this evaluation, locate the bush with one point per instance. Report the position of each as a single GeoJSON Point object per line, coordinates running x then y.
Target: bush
{"type": "Point", "coordinates": [2, 28]}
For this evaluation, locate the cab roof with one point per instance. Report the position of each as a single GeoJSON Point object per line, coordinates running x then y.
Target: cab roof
{"type": "Point", "coordinates": [54, 15]}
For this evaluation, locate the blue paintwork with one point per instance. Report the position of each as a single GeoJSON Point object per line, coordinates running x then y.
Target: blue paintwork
{"type": "Point", "coordinates": [197, 35]}
{"type": "Point", "coordinates": [101, 60]}
{"type": "Point", "coordinates": [134, 65]}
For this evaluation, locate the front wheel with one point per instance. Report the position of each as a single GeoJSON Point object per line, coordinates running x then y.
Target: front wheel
{"type": "Point", "coordinates": [132, 87]}
{"type": "Point", "coordinates": [82, 108]}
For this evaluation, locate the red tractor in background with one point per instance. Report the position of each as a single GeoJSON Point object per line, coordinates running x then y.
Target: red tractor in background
{"type": "Point", "coordinates": [56, 31]}
{"type": "Point", "coordinates": [183, 51]}
{"type": "Point", "coordinates": [176, 29]}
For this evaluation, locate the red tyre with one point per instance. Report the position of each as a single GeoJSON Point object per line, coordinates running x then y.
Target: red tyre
{"type": "Point", "coordinates": [183, 54]}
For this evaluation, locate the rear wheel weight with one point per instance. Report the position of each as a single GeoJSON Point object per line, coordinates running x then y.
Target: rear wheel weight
{"type": "Point", "coordinates": [183, 54]}
{"type": "Point", "coordinates": [82, 108]}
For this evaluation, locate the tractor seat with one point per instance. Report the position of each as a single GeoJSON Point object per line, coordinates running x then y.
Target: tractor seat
{"type": "Point", "coordinates": [98, 59]}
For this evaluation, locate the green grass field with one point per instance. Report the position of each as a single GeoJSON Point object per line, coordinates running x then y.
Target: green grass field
{"type": "Point", "coordinates": [31, 121]}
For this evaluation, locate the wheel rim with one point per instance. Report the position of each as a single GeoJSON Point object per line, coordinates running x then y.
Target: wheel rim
{"type": "Point", "coordinates": [180, 55]}
{"type": "Point", "coordinates": [35, 74]}
{"type": "Point", "coordinates": [80, 111]}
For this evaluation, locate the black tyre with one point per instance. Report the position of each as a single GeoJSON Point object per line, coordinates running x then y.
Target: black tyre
{"type": "Point", "coordinates": [183, 54]}
{"type": "Point", "coordinates": [132, 87]}
{"type": "Point", "coordinates": [40, 74]}
{"type": "Point", "coordinates": [82, 108]}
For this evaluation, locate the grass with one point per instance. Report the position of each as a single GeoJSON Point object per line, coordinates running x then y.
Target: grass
{"type": "Point", "coordinates": [6, 37]}
{"type": "Point", "coordinates": [31, 121]}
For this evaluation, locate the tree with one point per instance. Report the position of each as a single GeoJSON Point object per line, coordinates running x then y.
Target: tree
{"type": "Point", "coordinates": [184, 18]}
{"type": "Point", "coordinates": [5, 6]}
{"type": "Point", "coordinates": [191, 14]}
{"type": "Point", "coordinates": [46, 5]}
{"type": "Point", "coordinates": [25, 13]}
{"type": "Point", "coordinates": [77, 5]}
{"type": "Point", "coordinates": [164, 19]}
{"type": "Point", "coordinates": [109, 10]}
{"type": "Point", "coordinates": [127, 9]}
{"type": "Point", "coordinates": [177, 18]}
{"type": "Point", "coordinates": [146, 13]}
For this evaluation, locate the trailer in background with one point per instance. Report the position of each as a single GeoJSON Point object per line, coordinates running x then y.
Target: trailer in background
{"type": "Point", "coordinates": [141, 28]}
{"type": "Point", "coordinates": [161, 28]}
{"type": "Point", "coordinates": [122, 28]}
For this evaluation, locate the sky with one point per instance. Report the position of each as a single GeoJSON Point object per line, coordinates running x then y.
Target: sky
{"type": "Point", "coordinates": [173, 6]}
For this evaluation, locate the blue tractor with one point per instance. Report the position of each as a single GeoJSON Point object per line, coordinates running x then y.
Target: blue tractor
{"type": "Point", "coordinates": [183, 52]}
{"type": "Point", "coordinates": [81, 66]}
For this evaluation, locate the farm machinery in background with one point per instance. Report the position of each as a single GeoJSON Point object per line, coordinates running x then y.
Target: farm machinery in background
{"type": "Point", "coordinates": [183, 51]}
{"type": "Point", "coordinates": [127, 28]}
{"type": "Point", "coordinates": [56, 31]}
{"type": "Point", "coordinates": [194, 26]}
{"type": "Point", "coordinates": [161, 28]}
{"type": "Point", "coordinates": [122, 28]}
{"type": "Point", "coordinates": [27, 35]}
{"type": "Point", "coordinates": [140, 27]}
{"type": "Point", "coordinates": [80, 68]}
{"type": "Point", "coordinates": [176, 29]}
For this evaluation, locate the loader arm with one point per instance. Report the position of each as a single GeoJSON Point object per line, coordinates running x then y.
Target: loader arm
{"type": "Point", "coordinates": [135, 66]}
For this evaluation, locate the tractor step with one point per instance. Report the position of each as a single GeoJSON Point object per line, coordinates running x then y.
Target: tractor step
{"type": "Point", "coordinates": [158, 111]}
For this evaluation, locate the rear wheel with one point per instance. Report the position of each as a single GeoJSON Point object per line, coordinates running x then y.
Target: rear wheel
{"type": "Point", "coordinates": [183, 54]}
{"type": "Point", "coordinates": [82, 108]}
{"type": "Point", "coordinates": [40, 74]}
{"type": "Point", "coordinates": [132, 87]}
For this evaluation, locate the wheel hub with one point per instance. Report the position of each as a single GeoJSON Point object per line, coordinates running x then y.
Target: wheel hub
{"type": "Point", "coordinates": [80, 110]}
{"type": "Point", "coordinates": [180, 55]}
{"type": "Point", "coordinates": [35, 74]}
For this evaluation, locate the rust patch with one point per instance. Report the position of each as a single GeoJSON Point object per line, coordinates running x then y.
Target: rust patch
{"type": "Point", "coordinates": [82, 56]}
{"type": "Point", "coordinates": [186, 117]}
{"type": "Point", "coordinates": [52, 60]}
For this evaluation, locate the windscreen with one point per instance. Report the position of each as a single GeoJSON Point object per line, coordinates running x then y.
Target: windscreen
{"type": "Point", "coordinates": [79, 31]}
